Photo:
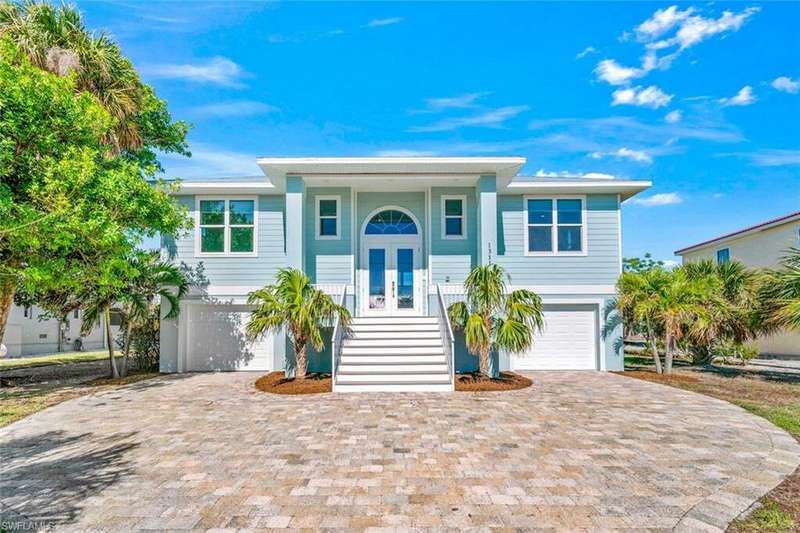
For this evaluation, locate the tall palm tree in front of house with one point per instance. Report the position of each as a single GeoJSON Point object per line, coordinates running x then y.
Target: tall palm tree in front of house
{"type": "Point", "coordinates": [493, 319]}
{"type": "Point", "coordinates": [781, 293]}
{"type": "Point", "coordinates": [294, 303]}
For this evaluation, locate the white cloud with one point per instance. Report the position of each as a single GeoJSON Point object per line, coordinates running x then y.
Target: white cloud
{"type": "Point", "coordinates": [542, 173]}
{"type": "Point", "coordinates": [585, 52]}
{"type": "Point", "coordinates": [493, 118]}
{"type": "Point", "coordinates": [375, 23]}
{"type": "Point", "coordinates": [210, 161]}
{"type": "Point", "coordinates": [673, 117]}
{"type": "Point", "coordinates": [640, 156]}
{"type": "Point", "coordinates": [405, 153]}
{"type": "Point", "coordinates": [695, 29]}
{"type": "Point", "coordinates": [786, 84]}
{"type": "Point", "coordinates": [217, 71]}
{"type": "Point", "coordinates": [771, 157]}
{"type": "Point", "coordinates": [233, 109]}
{"type": "Point", "coordinates": [744, 97]}
{"type": "Point", "coordinates": [661, 22]}
{"type": "Point", "coordinates": [613, 73]}
{"type": "Point", "coordinates": [651, 97]}
{"type": "Point", "coordinates": [664, 198]}
{"type": "Point", "coordinates": [461, 101]}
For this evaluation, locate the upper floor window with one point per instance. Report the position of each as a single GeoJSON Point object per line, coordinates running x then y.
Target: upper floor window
{"type": "Point", "coordinates": [555, 226]}
{"type": "Point", "coordinates": [723, 255]}
{"type": "Point", "coordinates": [454, 217]}
{"type": "Point", "coordinates": [226, 226]}
{"type": "Point", "coordinates": [327, 215]}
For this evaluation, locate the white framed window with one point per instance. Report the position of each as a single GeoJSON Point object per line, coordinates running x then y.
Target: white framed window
{"type": "Point", "coordinates": [555, 225]}
{"type": "Point", "coordinates": [327, 213]}
{"type": "Point", "coordinates": [226, 226]}
{"type": "Point", "coordinates": [723, 255]}
{"type": "Point", "coordinates": [454, 216]}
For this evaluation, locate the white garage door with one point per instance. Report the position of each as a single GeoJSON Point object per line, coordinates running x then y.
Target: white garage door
{"type": "Point", "coordinates": [217, 340]}
{"type": "Point", "coordinates": [568, 342]}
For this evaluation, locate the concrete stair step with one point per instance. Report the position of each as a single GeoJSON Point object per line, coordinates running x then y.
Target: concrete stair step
{"type": "Point", "coordinates": [391, 359]}
{"type": "Point", "coordinates": [404, 377]}
{"type": "Point", "coordinates": [395, 320]}
{"type": "Point", "coordinates": [405, 368]}
{"type": "Point", "coordinates": [393, 387]}
{"type": "Point", "coordinates": [389, 342]}
{"type": "Point", "coordinates": [393, 350]}
{"type": "Point", "coordinates": [396, 335]}
{"type": "Point", "coordinates": [393, 328]}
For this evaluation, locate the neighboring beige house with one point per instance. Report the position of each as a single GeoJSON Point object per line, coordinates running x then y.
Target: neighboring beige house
{"type": "Point", "coordinates": [760, 246]}
{"type": "Point", "coordinates": [28, 333]}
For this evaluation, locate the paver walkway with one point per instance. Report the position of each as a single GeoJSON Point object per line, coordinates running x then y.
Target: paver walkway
{"type": "Point", "coordinates": [577, 451]}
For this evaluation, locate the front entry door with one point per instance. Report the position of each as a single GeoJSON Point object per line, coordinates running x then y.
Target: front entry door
{"type": "Point", "coordinates": [392, 272]}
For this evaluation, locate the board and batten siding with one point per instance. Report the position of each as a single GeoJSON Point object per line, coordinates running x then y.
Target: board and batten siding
{"type": "Point", "coordinates": [237, 271]}
{"type": "Point", "coordinates": [452, 259]}
{"type": "Point", "coordinates": [329, 261]}
{"type": "Point", "coordinates": [600, 265]}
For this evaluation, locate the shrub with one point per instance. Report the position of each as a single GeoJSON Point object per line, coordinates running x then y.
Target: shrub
{"type": "Point", "coordinates": [738, 353]}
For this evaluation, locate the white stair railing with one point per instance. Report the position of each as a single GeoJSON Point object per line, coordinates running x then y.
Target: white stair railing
{"type": "Point", "coordinates": [449, 341]}
{"type": "Point", "coordinates": [336, 340]}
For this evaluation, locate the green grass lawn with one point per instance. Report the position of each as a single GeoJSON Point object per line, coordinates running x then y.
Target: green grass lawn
{"type": "Point", "coordinates": [62, 358]}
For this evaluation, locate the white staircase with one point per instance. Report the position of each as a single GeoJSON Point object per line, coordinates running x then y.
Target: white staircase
{"type": "Point", "coordinates": [393, 354]}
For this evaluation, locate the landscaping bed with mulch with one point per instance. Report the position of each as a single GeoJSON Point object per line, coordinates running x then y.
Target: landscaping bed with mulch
{"type": "Point", "coordinates": [475, 382]}
{"type": "Point", "coordinates": [278, 383]}
{"type": "Point", "coordinates": [768, 395]}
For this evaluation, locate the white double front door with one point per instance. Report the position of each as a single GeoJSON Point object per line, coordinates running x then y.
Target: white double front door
{"type": "Point", "coordinates": [390, 276]}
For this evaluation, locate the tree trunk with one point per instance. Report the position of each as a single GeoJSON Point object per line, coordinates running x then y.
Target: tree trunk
{"type": "Point", "coordinates": [668, 345]}
{"type": "Point", "coordinates": [656, 357]}
{"type": "Point", "coordinates": [7, 290]}
{"type": "Point", "coordinates": [60, 333]}
{"type": "Point", "coordinates": [483, 362]}
{"type": "Point", "coordinates": [110, 342]}
{"type": "Point", "coordinates": [128, 330]}
{"type": "Point", "coordinates": [300, 360]}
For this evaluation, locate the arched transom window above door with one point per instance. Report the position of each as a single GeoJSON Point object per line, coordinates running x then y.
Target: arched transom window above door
{"type": "Point", "coordinates": [391, 222]}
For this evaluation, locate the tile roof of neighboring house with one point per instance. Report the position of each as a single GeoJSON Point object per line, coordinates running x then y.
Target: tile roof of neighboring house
{"type": "Point", "coordinates": [757, 227]}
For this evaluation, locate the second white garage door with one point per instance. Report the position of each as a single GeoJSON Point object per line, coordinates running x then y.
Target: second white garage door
{"type": "Point", "coordinates": [568, 342]}
{"type": "Point", "coordinates": [217, 340]}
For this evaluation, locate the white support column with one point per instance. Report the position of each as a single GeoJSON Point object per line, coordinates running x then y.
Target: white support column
{"type": "Point", "coordinates": [295, 205]}
{"type": "Point", "coordinates": [487, 218]}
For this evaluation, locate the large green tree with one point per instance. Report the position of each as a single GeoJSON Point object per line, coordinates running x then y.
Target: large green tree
{"type": "Point", "coordinates": [68, 204]}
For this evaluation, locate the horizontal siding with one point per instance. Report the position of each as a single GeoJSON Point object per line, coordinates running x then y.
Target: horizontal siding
{"type": "Point", "coordinates": [450, 268]}
{"type": "Point", "coordinates": [599, 266]}
{"type": "Point", "coordinates": [333, 269]}
{"type": "Point", "coordinates": [239, 271]}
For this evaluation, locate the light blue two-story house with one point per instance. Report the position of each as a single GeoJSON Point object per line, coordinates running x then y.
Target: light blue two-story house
{"type": "Point", "coordinates": [394, 238]}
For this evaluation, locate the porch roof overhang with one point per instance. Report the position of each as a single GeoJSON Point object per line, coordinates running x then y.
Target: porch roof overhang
{"type": "Point", "coordinates": [390, 173]}
{"type": "Point", "coordinates": [577, 185]}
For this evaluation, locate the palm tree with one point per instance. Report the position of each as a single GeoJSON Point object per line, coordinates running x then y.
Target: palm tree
{"type": "Point", "coordinates": [637, 296]}
{"type": "Point", "coordinates": [293, 302]}
{"type": "Point", "coordinates": [493, 319]}
{"type": "Point", "coordinates": [781, 293]}
{"type": "Point", "coordinates": [132, 290]}
{"type": "Point", "coordinates": [55, 39]}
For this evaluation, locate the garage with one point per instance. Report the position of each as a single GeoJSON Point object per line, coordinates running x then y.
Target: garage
{"type": "Point", "coordinates": [568, 342]}
{"type": "Point", "coordinates": [217, 340]}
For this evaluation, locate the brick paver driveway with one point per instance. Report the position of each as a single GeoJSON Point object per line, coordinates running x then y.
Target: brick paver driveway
{"type": "Point", "coordinates": [577, 451]}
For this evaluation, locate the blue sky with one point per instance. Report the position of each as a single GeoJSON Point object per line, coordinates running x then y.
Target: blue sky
{"type": "Point", "coordinates": [703, 99]}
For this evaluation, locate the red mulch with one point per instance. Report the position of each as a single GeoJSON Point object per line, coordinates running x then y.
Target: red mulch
{"type": "Point", "coordinates": [475, 382]}
{"type": "Point", "coordinates": [278, 383]}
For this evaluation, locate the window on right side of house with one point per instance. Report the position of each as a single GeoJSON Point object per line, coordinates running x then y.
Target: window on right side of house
{"type": "Point", "coordinates": [540, 225]}
{"type": "Point", "coordinates": [723, 255]}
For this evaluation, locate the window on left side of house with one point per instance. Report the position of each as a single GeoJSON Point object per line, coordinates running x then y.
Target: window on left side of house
{"type": "Point", "coordinates": [227, 226]}
{"type": "Point", "coordinates": [328, 218]}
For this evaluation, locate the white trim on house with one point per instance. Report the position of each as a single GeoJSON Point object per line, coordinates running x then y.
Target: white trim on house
{"type": "Point", "coordinates": [318, 217]}
{"type": "Point", "coordinates": [226, 225]}
{"type": "Point", "coordinates": [581, 290]}
{"type": "Point", "coordinates": [443, 216]}
{"type": "Point", "coordinates": [555, 252]}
